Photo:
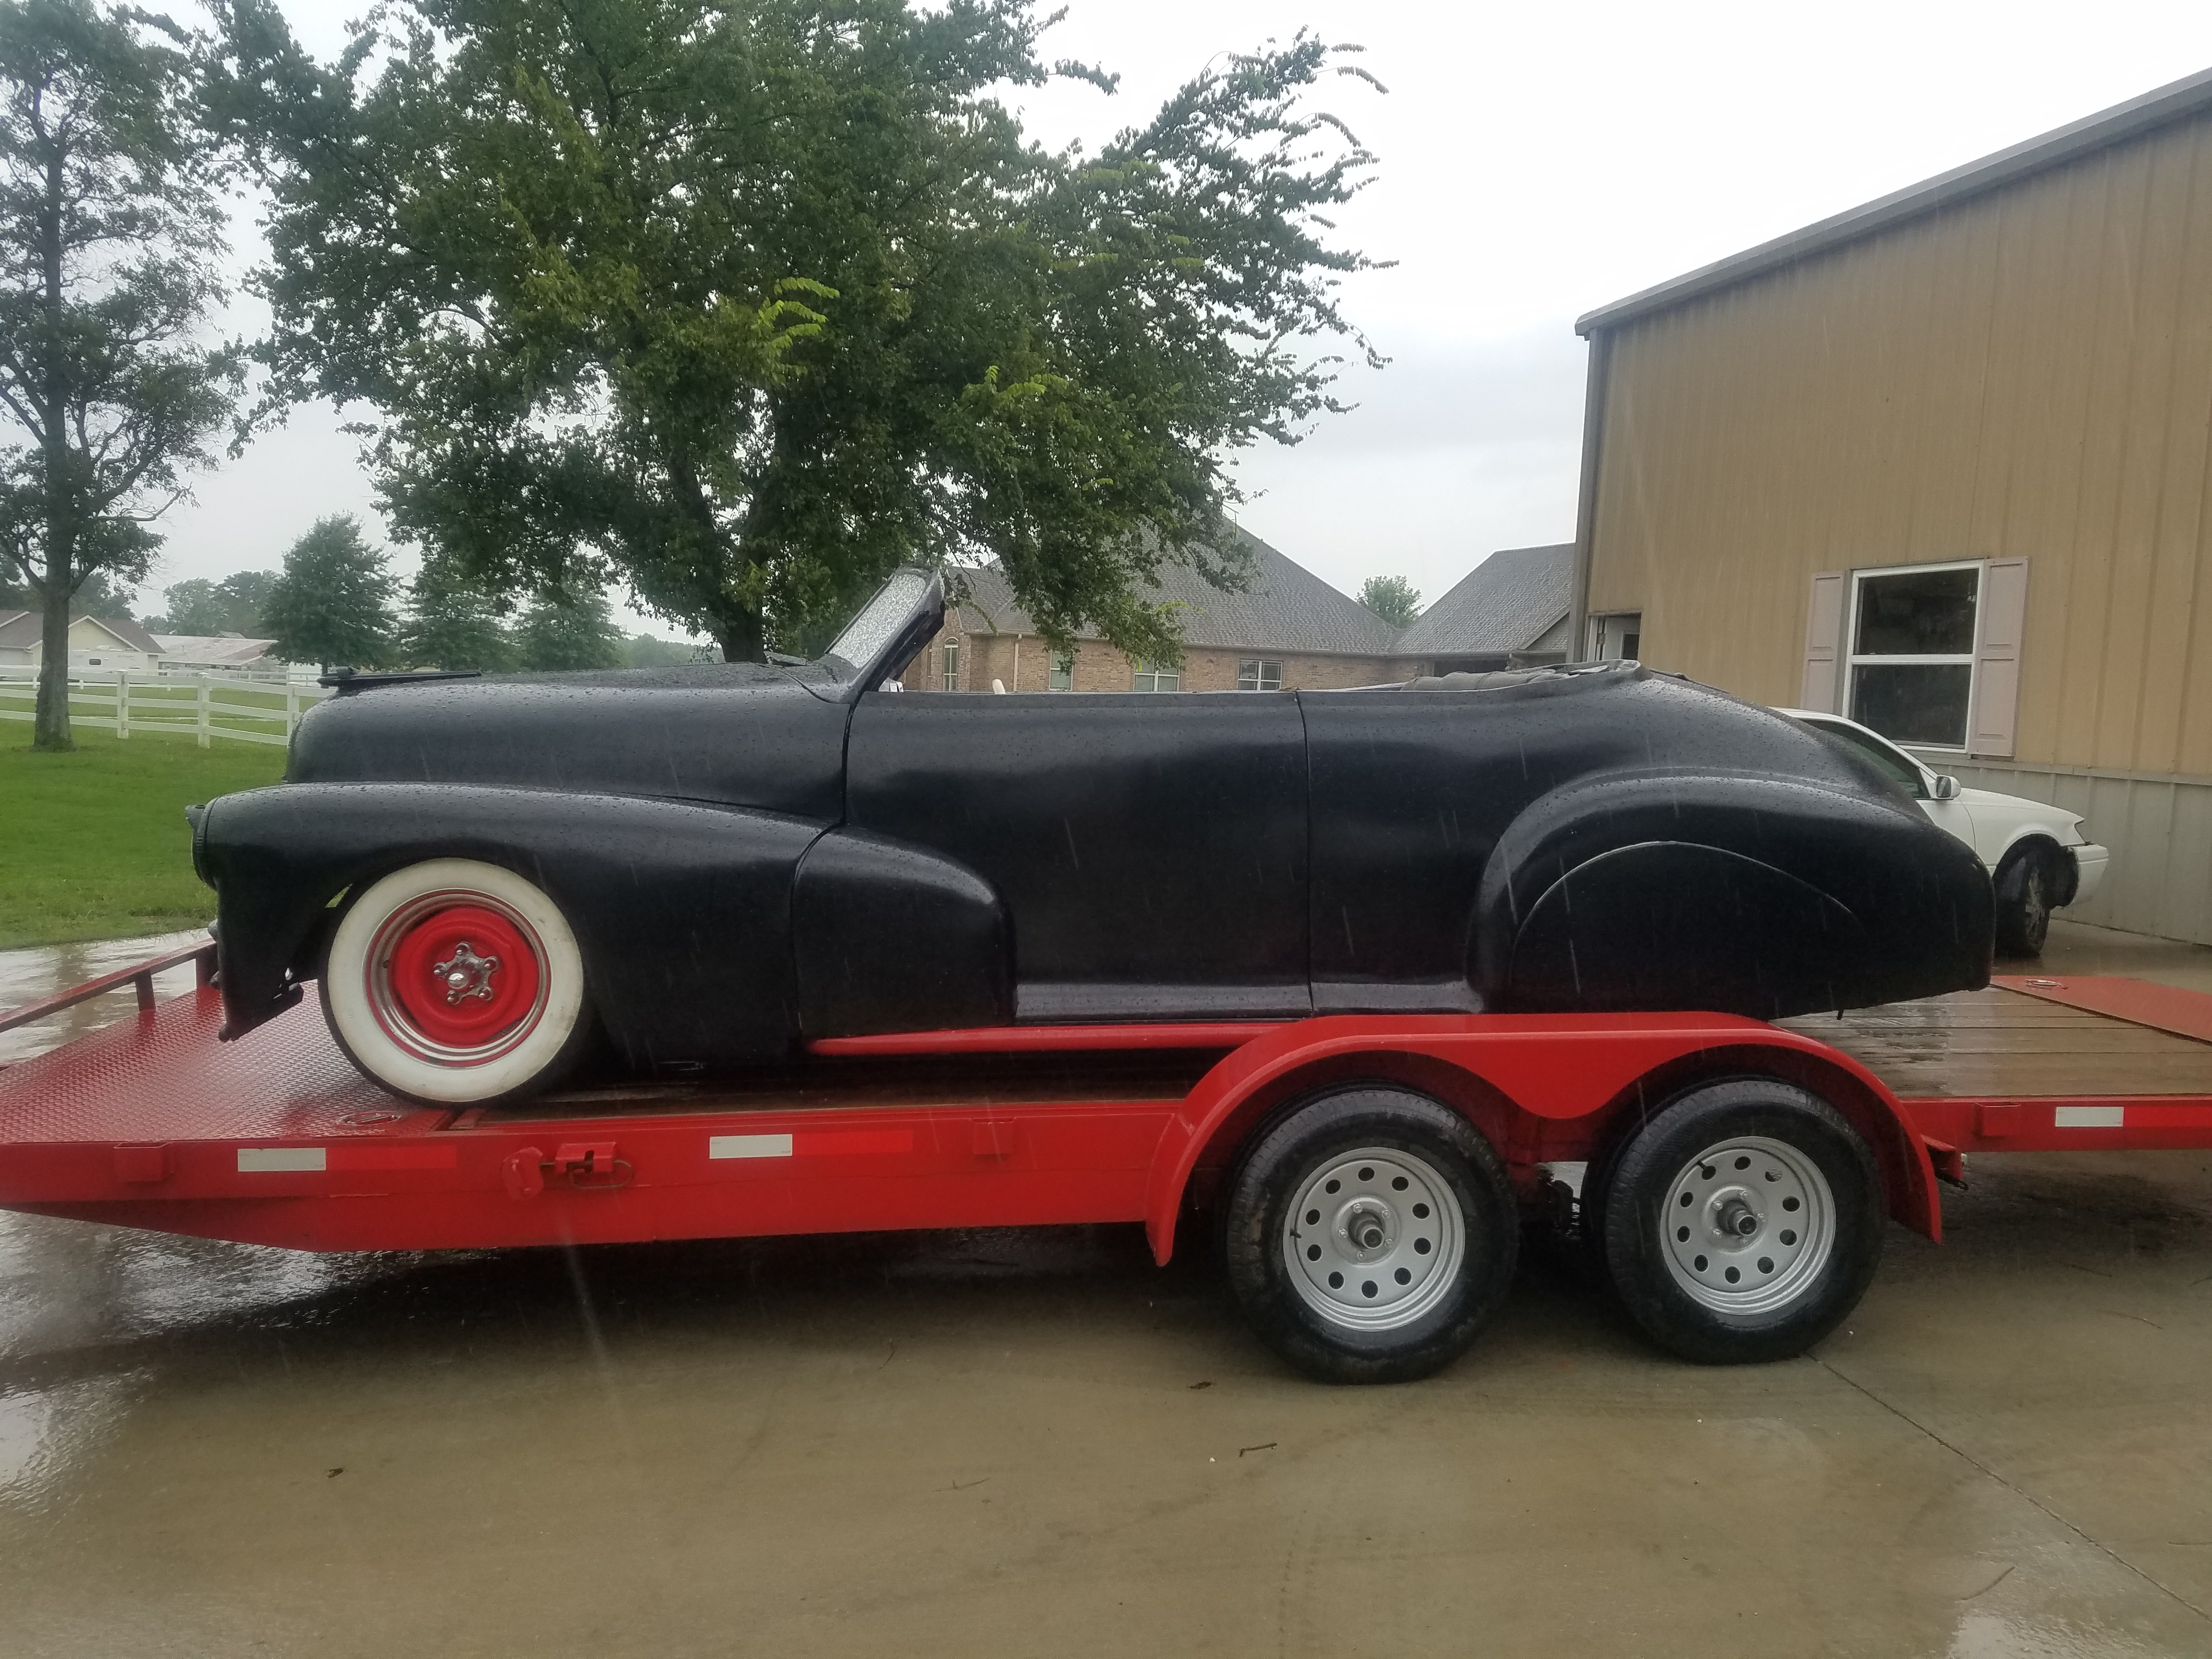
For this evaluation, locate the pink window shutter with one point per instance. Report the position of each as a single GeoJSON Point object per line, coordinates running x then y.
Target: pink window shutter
{"type": "Point", "coordinates": [2002, 621]}
{"type": "Point", "coordinates": [1824, 644]}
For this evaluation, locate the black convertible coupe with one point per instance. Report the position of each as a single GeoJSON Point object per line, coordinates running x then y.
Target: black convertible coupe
{"type": "Point", "coordinates": [714, 866]}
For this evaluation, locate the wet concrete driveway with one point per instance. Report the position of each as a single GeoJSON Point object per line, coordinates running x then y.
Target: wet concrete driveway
{"type": "Point", "coordinates": [1036, 1444]}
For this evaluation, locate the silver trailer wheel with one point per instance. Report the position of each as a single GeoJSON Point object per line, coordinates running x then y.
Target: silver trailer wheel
{"type": "Point", "coordinates": [1374, 1240]}
{"type": "Point", "coordinates": [1748, 1225]}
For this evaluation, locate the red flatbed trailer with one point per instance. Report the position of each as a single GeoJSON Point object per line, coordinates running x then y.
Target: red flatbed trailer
{"type": "Point", "coordinates": [277, 1139]}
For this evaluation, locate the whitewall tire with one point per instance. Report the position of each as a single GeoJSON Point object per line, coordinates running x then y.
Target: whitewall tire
{"type": "Point", "coordinates": [457, 982]}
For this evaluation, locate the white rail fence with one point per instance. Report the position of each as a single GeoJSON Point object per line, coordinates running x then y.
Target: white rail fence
{"type": "Point", "coordinates": [202, 706]}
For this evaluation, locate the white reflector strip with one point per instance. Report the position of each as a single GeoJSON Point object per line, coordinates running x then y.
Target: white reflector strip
{"type": "Point", "coordinates": [2090, 1117]}
{"type": "Point", "coordinates": [274, 1160]}
{"type": "Point", "coordinates": [748, 1145]}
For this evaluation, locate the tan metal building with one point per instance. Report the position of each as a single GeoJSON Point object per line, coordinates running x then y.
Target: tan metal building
{"type": "Point", "coordinates": [1943, 463]}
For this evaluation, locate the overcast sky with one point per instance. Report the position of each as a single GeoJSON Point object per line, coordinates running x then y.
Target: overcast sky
{"type": "Point", "coordinates": [1537, 162]}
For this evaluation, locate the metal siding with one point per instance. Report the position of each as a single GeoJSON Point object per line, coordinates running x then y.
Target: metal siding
{"type": "Point", "coordinates": [2178, 584]}
{"type": "Point", "coordinates": [2027, 375]}
{"type": "Point", "coordinates": [2159, 830]}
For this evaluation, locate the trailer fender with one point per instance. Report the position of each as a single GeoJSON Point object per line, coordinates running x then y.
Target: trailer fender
{"type": "Point", "coordinates": [1544, 1069]}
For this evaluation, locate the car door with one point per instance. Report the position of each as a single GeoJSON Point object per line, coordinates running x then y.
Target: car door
{"type": "Point", "coordinates": [1150, 849]}
{"type": "Point", "coordinates": [1411, 791]}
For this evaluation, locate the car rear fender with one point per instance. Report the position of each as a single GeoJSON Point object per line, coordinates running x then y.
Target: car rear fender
{"type": "Point", "coordinates": [1762, 896]}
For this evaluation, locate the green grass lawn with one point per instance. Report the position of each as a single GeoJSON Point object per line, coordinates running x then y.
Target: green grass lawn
{"type": "Point", "coordinates": [94, 844]}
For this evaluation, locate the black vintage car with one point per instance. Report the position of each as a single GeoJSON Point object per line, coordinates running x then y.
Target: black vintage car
{"type": "Point", "coordinates": [712, 866]}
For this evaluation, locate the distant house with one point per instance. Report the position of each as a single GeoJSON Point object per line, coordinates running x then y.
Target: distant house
{"type": "Point", "coordinates": [105, 643]}
{"type": "Point", "coordinates": [1288, 631]}
{"type": "Point", "coordinates": [194, 651]}
{"type": "Point", "coordinates": [1509, 611]}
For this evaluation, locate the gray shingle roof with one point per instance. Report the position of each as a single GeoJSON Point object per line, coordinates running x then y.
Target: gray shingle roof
{"type": "Point", "coordinates": [1504, 604]}
{"type": "Point", "coordinates": [1287, 608]}
{"type": "Point", "coordinates": [19, 630]}
{"type": "Point", "coordinates": [212, 648]}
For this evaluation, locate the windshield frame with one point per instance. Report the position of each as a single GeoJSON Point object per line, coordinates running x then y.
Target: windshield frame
{"type": "Point", "coordinates": [886, 648]}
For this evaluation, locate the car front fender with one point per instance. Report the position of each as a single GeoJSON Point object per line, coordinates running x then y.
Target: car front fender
{"type": "Point", "coordinates": [682, 910]}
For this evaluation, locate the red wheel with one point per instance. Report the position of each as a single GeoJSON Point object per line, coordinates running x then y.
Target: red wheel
{"type": "Point", "coordinates": [460, 979]}
{"type": "Point", "coordinates": [456, 981]}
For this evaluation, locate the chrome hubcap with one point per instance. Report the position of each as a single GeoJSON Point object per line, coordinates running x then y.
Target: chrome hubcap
{"type": "Point", "coordinates": [1374, 1239]}
{"type": "Point", "coordinates": [1748, 1225]}
{"type": "Point", "coordinates": [467, 974]}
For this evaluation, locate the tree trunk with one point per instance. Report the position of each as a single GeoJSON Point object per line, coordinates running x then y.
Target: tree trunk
{"type": "Point", "coordinates": [743, 638]}
{"type": "Point", "coordinates": [51, 724]}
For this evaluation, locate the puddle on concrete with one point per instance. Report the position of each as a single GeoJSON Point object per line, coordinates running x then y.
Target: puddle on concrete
{"type": "Point", "coordinates": [45, 1434]}
{"type": "Point", "coordinates": [27, 975]}
{"type": "Point", "coordinates": [71, 1288]}
{"type": "Point", "coordinates": [1993, 1636]}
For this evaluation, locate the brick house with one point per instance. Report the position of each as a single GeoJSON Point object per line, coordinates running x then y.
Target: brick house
{"type": "Point", "coordinates": [1509, 611]}
{"type": "Point", "coordinates": [1290, 631]}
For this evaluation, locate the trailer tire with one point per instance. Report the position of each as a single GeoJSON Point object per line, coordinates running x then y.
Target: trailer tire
{"type": "Point", "coordinates": [1590, 1213]}
{"type": "Point", "coordinates": [1743, 1222]}
{"type": "Point", "coordinates": [1370, 1235]}
{"type": "Point", "coordinates": [517, 1017]}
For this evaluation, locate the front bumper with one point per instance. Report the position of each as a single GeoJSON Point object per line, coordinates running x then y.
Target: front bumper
{"type": "Point", "coordinates": [2089, 862]}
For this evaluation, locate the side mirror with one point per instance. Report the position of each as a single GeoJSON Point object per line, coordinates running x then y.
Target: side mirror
{"type": "Point", "coordinates": [1946, 787]}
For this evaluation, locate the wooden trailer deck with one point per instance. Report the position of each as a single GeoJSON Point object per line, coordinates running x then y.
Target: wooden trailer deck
{"type": "Point", "coordinates": [2015, 1042]}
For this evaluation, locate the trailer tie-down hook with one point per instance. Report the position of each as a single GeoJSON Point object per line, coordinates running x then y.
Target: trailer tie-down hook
{"type": "Point", "coordinates": [589, 1166]}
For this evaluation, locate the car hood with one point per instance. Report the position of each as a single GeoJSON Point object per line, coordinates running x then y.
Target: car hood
{"type": "Point", "coordinates": [742, 734]}
{"type": "Point", "coordinates": [2019, 804]}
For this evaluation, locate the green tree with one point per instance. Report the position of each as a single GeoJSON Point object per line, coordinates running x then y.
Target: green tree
{"type": "Point", "coordinates": [332, 604]}
{"type": "Point", "coordinates": [643, 651]}
{"type": "Point", "coordinates": [194, 607]}
{"type": "Point", "coordinates": [745, 302]}
{"type": "Point", "coordinates": [1393, 598]}
{"type": "Point", "coordinates": [243, 594]}
{"type": "Point", "coordinates": [97, 595]}
{"type": "Point", "coordinates": [110, 250]}
{"type": "Point", "coordinates": [232, 605]}
{"type": "Point", "coordinates": [575, 632]}
{"type": "Point", "coordinates": [452, 623]}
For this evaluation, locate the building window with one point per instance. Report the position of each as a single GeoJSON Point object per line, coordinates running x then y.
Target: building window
{"type": "Point", "coordinates": [1062, 677]}
{"type": "Point", "coordinates": [952, 664]}
{"type": "Point", "coordinates": [1911, 662]}
{"type": "Point", "coordinates": [1151, 677]}
{"type": "Point", "coordinates": [1259, 674]}
{"type": "Point", "coordinates": [1616, 638]}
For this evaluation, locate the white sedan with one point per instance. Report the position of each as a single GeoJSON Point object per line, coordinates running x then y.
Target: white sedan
{"type": "Point", "coordinates": [2035, 853]}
